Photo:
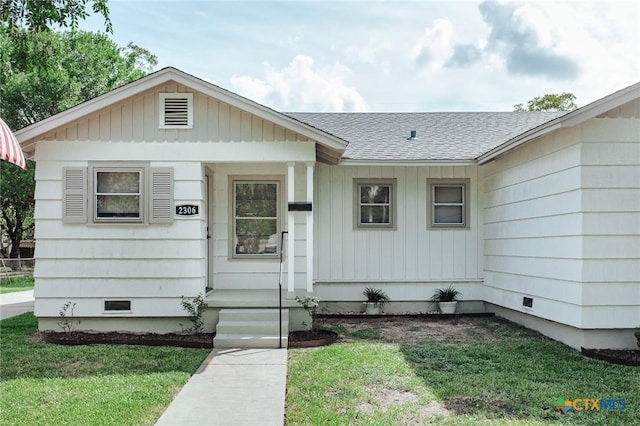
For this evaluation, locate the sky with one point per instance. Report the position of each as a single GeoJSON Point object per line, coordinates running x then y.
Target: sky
{"type": "Point", "coordinates": [390, 56]}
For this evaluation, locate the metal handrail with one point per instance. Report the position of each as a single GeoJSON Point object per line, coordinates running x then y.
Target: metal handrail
{"type": "Point", "coordinates": [280, 285]}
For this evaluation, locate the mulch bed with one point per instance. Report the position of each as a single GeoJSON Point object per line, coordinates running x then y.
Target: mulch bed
{"type": "Point", "coordinates": [200, 340]}
{"type": "Point", "coordinates": [615, 356]}
{"type": "Point", "coordinates": [311, 338]}
{"type": "Point", "coordinates": [297, 339]}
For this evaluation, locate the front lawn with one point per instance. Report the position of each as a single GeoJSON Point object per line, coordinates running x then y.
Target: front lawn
{"type": "Point", "coordinates": [86, 385]}
{"type": "Point", "coordinates": [10, 285]}
{"type": "Point", "coordinates": [477, 371]}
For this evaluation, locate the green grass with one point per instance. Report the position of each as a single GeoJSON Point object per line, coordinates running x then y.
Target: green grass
{"type": "Point", "coordinates": [16, 284]}
{"type": "Point", "coordinates": [89, 385]}
{"type": "Point", "coordinates": [512, 379]}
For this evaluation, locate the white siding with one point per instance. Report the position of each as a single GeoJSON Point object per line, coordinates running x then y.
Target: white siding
{"type": "Point", "coordinates": [254, 273]}
{"type": "Point", "coordinates": [137, 119]}
{"type": "Point", "coordinates": [532, 215]}
{"type": "Point", "coordinates": [154, 264]}
{"type": "Point", "coordinates": [410, 252]}
{"type": "Point", "coordinates": [611, 195]}
{"type": "Point", "coordinates": [88, 263]}
{"type": "Point", "coordinates": [562, 225]}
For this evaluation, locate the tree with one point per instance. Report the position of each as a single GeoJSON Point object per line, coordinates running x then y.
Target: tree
{"type": "Point", "coordinates": [41, 15]}
{"type": "Point", "coordinates": [550, 102]}
{"type": "Point", "coordinates": [16, 202]}
{"type": "Point", "coordinates": [43, 73]}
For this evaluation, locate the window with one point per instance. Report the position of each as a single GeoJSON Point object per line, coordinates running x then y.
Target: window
{"type": "Point", "coordinates": [117, 193]}
{"type": "Point", "coordinates": [448, 200]}
{"type": "Point", "coordinates": [256, 211]}
{"type": "Point", "coordinates": [176, 110]}
{"type": "Point", "coordinates": [375, 203]}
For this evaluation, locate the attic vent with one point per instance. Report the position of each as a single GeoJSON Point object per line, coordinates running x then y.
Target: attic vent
{"type": "Point", "coordinates": [176, 110]}
{"type": "Point", "coordinates": [413, 135]}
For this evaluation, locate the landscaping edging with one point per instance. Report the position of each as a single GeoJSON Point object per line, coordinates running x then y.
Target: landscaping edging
{"type": "Point", "coordinates": [614, 356]}
{"type": "Point", "coordinates": [311, 339]}
{"type": "Point", "coordinates": [435, 315]}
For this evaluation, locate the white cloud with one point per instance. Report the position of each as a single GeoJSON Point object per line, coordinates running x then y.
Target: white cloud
{"type": "Point", "coordinates": [370, 53]}
{"type": "Point", "coordinates": [434, 48]}
{"type": "Point", "coordinates": [301, 87]}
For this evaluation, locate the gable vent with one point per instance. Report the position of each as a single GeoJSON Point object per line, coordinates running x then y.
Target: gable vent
{"type": "Point", "coordinates": [176, 110]}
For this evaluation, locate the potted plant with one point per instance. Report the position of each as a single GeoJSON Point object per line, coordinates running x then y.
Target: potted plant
{"type": "Point", "coordinates": [376, 299]}
{"type": "Point", "coordinates": [447, 299]}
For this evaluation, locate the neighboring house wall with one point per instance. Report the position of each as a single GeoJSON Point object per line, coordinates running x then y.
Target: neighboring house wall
{"type": "Point", "coordinates": [408, 261]}
{"type": "Point", "coordinates": [561, 227]}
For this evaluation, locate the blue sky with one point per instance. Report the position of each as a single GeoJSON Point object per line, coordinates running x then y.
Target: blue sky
{"type": "Point", "coordinates": [408, 56]}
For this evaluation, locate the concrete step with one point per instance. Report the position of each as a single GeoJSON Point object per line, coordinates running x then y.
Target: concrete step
{"type": "Point", "coordinates": [252, 314]}
{"type": "Point", "coordinates": [245, 341]}
{"type": "Point", "coordinates": [251, 328]}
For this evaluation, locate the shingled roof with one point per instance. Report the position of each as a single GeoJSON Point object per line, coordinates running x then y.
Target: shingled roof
{"type": "Point", "coordinates": [440, 135]}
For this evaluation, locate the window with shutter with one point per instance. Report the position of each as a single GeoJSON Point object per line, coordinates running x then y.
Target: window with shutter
{"type": "Point", "coordinates": [120, 192]}
{"type": "Point", "coordinates": [176, 110]}
{"type": "Point", "coordinates": [74, 205]}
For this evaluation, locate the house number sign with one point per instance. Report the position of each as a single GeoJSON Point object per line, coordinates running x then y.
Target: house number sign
{"type": "Point", "coordinates": [187, 210]}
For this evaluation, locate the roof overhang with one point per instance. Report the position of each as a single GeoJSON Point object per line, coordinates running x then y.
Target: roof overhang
{"type": "Point", "coordinates": [330, 147]}
{"type": "Point", "coordinates": [570, 119]}
{"type": "Point", "coordinates": [350, 162]}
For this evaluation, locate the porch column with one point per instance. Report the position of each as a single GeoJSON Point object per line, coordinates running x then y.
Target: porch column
{"type": "Point", "coordinates": [291, 238]}
{"type": "Point", "coordinates": [310, 166]}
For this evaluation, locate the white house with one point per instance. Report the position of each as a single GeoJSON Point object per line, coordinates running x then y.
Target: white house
{"type": "Point", "coordinates": [171, 186]}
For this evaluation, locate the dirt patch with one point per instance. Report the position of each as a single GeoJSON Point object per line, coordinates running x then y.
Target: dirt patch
{"type": "Point", "coordinates": [408, 330]}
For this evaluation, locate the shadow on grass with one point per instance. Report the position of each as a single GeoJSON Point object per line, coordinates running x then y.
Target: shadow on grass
{"type": "Point", "coordinates": [521, 376]}
{"type": "Point", "coordinates": [22, 357]}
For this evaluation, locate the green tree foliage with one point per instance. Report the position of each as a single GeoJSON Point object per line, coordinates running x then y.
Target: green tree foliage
{"type": "Point", "coordinates": [41, 15]}
{"type": "Point", "coordinates": [16, 202]}
{"type": "Point", "coordinates": [48, 72]}
{"type": "Point", "coordinates": [550, 102]}
{"type": "Point", "coordinates": [43, 73]}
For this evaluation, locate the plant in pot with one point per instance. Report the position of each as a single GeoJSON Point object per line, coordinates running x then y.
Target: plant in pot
{"type": "Point", "coordinates": [447, 299]}
{"type": "Point", "coordinates": [376, 299]}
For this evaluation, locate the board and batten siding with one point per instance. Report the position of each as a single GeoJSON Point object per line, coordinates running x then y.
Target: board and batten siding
{"type": "Point", "coordinates": [561, 226]}
{"type": "Point", "coordinates": [136, 119]}
{"type": "Point", "coordinates": [252, 273]}
{"type": "Point", "coordinates": [401, 259]}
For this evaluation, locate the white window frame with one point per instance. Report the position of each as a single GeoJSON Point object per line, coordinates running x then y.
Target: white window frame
{"type": "Point", "coordinates": [161, 116]}
{"type": "Point", "coordinates": [463, 184]}
{"type": "Point", "coordinates": [141, 169]}
{"type": "Point", "coordinates": [359, 183]}
{"type": "Point", "coordinates": [260, 179]}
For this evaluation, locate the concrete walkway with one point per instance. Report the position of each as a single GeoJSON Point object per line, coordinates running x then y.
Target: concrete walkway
{"type": "Point", "coordinates": [12, 304]}
{"type": "Point", "coordinates": [233, 387]}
